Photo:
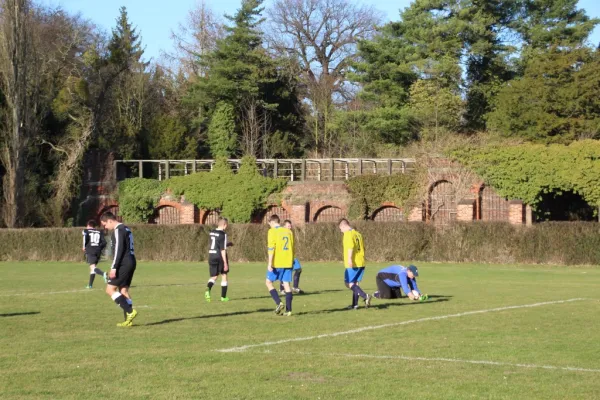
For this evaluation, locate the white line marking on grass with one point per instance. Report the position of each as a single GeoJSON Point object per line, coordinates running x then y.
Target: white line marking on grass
{"type": "Point", "coordinates": [44, 293]}
{"type": "Point", "coordinates": [373, 327]}
{"type": "Point", "coordinates": [452, 360]}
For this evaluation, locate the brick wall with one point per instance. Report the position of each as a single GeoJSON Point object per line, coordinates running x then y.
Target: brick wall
{"type": "Point", "coordinates": [304, 200]}
{"type": "Point", "coordinates": [516, 212]}
{"type": "Point", "coordinates": [465, 210]}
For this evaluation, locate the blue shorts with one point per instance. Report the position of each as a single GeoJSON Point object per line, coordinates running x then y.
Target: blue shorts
{"type": "Point", "coordinates": [297, 265]}
{"type": "Point", "coordinates": [354, 275]}
{"type": "Point", "coordinates": [280, 274]}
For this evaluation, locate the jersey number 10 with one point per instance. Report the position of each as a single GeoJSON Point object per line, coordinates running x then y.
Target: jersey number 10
{"type": "Point", "coordinates": [95, 238]}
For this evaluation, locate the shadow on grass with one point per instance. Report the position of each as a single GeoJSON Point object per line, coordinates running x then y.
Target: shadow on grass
{"type": "Point", "coordinates": [19, 313]}
{"type": "Point", "coordinates": [168, 321]}
{"type": "Point", "coordinates": [383, 306]}
{"type": "Point", "coordinates": [301, 294]}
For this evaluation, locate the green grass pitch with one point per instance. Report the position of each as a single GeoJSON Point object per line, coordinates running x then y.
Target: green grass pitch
{"type": "Point", "coordinates": [59, 341]}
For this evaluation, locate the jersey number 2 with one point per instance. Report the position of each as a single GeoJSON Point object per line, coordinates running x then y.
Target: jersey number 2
{"type": "Point", "coordinates": [287, 241]}
{"type": "Point", "coordinates": [357, 244]}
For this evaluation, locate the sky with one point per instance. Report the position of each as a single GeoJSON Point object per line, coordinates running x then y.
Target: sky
{"type": "Point", "coordinates": [155, 19]}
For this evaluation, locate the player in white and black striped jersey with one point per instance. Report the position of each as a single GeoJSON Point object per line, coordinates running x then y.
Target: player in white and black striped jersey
{"type": "Point", "coordinates": [218, 263]}
{"type": "Point", "coordinates": [93, 244]}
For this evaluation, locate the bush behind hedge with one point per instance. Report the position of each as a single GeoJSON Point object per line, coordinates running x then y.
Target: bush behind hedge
{"type": "Point", "coordinates": [565, 243]}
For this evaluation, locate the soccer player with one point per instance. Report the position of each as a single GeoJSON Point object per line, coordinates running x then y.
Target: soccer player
{"type": "Point", "coordinates": [354, 261]}
{"type": "Point", "coordinates": [217, 259]}
{"type": "Point", "coordinates": [93, 244]}
{"type": "Point", "coordinates": [393, 278]}
{"type": "Point", "coordinates": [297, 268]}
{"type": "Point", "coordinates": [123, 267]}
{"type": "Point", "coordinates": [281, 260]}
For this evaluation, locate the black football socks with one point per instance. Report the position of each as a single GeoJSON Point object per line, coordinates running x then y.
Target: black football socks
{"type": "Point", "coordinates": [297, 279]}
{"type": "Point", "coordinates": [224, 289]}
{"type": "Point", "coordinates": [275, 296]}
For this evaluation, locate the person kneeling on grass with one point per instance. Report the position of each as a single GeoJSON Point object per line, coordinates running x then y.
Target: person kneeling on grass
{"type": "Point", "coordinates": [392, 279]}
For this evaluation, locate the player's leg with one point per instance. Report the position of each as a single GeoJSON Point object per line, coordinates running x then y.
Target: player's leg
{"type": "Point", "coordinates": [115, 294]}
{"type": "Point", "coordinates": [286, 279]}
{"type": "Point", "coordinates": [383, 290]}
{"type": "Point", "coordinates": [93, 260]}
{"type": "Point", "coordinates": [91, 276]}
{"type": "Point", "coordinates": [281, 289]}
{"type": "Point", "coordinates": [273, 276]}
{"type": "Point", "coordinates": [213, 270]}
{"type": "Point", "coordinates": [356, 278]}
{"type": "Point", "coordinates": [348, 283]}
{"type": "Point", "coordinates": [124, 289]}
{"type": "Point", "coordinates": [297, 273]}
{"type": "Point", "coordinates": [224, 286]}
{"type": "Point", "coordinates": [125, 292]}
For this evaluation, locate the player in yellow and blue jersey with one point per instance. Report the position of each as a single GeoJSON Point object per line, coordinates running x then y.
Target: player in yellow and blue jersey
{"type": "Point", "coordinates": [281, 261]}
{"type": "Point", "coordinates": [354, 261]}
{"type": "Point", "coordinates": [297, 268]}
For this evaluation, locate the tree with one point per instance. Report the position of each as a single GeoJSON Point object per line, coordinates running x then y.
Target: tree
{"type": "Point", "coordinates": [242, 74]}
{"type": "Point", "coordinates": [125, 90]}
{"type": "Point", "coordinates": [19, 78]}
{"type": "Point", "coordinates": [436, 110]}
{"type": "Point", "coordinates": [196, 38]}
{"type": "Point", "coordinates": [221, 132]}
{"type": "Point", "coordinates": [559, 89]}
{"type": "Point", "coordinates": [321, 35]}
{"type": "Point", "coordinates": [546, 23]}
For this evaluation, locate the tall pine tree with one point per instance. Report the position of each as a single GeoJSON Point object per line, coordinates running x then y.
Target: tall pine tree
{"type": "Point", "coordinates": [241, 73]}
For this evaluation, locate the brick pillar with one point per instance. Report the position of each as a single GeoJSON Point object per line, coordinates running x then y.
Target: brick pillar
{"type": "Point", "coordinates": [416, 214]}
{"type": "Point", "coordinates": [528, 215]}
{"type": "Point", "coordinates": [465, 210]}
{"type": "Point", "coordinates": [187, 213]}
{"type": "Point", "coordinates": [297, 214]}
{"type": "Point", "coordinates": [516, 211]}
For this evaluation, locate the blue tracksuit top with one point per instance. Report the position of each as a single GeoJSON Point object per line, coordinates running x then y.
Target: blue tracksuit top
{"type": "Point", "coordinates": [397, 278]}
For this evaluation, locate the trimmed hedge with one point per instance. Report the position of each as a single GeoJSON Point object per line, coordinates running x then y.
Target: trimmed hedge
{"type": "Point", "coordinates": [565, 243]}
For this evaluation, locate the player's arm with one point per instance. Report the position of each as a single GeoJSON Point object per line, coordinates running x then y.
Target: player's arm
{"type": "Point", "coordinates": [271, 242]}
{"type": "Point", "coordinates": [223, 247]}
{"type": "Point", "coordinates": [102, 241]}
{"type": "Point", "coordinates": [405, 286]}
{"type": "Point", "coordinates": [119, 249]}
{"type": "Point", "coordinates": [349, 249]}
{"type": "Point", "coordinates": [416, 291]}
{"type": "Point", "coordinates": [85, 239]}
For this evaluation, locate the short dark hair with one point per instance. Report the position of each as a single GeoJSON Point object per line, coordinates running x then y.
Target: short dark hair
{"type": "Point", "coordinates": [108, 216]}
{"type": "Point", "coordinates": [274, 218]}
{"type": "Point", "coordinates": [92, 223]}
{"type": "Point", "coordinates": [344, 221]}
{"type": "Point", "coordinates": [287, 221]}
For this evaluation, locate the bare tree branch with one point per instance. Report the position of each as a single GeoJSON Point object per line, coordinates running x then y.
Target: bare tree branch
{"type": "Point", "coordinates": [322, 36]}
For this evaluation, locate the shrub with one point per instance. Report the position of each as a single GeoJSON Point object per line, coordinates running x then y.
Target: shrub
{"type": "Point", "coordinates": [565, 243]}
{"type": "Point", "coordinates": [237, 195]}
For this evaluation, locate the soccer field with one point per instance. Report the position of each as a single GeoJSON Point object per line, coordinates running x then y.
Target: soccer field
{"type": "Point", "coordinates": [493, 332]}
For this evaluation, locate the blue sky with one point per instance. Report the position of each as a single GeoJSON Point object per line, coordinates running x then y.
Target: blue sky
{"type": "Point", "coordinates": [156, 19]}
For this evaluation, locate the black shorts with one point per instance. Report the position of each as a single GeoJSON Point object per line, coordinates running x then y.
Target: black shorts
{"type": "Point", "coordinates": [385, 291]}
{"type": "Point", "coordinates": [124, 275]}
{"type": "Point", "coordinates": [216, 267]}
{"type": "Point", "coordinates": [93, 258]}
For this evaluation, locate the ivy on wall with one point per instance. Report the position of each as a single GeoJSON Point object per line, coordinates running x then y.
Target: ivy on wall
{"type": "Point", "coordinates": [528, 171]}
{"type": "Point", "coordinates": [368, 192]}
{"type": "Point", "coordinates": [238, 195]}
